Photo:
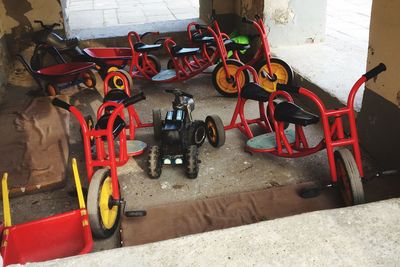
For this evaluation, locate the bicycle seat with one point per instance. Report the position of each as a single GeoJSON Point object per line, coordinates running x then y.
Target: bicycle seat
{"type": "Point", "coordinates": [232, 46]}
{"type": "Point", "coordinates": [201, 38]}
{"type": "Point", "coordinates": [119, 125]}
{"type": "Point", "coordinates": [255, 92]}
{"type": "Point", "coordinates": [290, 112]}
{"type": "Point", "coordinates": [178, 51]}
{"type": "Point", "coordinates": [142, 47]}
{"type": "Point", "coordinates": [115, 95]}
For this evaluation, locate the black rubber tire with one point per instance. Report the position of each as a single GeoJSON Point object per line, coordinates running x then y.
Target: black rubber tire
{"type": "Point", "coordinates": [349, 178]}
{"type": "Point", "coordinates": [197, 133]}
{"type": "Point", "coordinates": [93, 201]}
{"type": "Point", "coordinates": [157, 124]}
{"type": "Point", "coordinates": [219, 70]}
{"type": "Point", "coordinates": [154, 59]}
{"type": "Point", "coordinates": [52, 89]}
{"type": "Point", "coordinates": [89, 79]}
{"type": "Point", "coordinates": [192, 162]}
{"type": "Point", "coordinates": [154, 163]}
{"type": "Point", "coordinates": [260, 64]}
{"type": "Point", "coordinates": [215, 130]}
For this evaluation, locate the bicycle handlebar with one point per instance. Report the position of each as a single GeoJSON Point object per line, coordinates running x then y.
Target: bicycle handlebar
{"type": "Point", "coordinates": [375, 71]}
{"type": "Point", "coordinates": [134, 99]}
{"type": "Point", "coordinates": [61, 104]}
{"type": "Point", "coordinates": [288, 88]}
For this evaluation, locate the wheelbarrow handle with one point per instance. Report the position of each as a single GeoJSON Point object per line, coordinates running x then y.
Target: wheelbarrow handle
{"type": "Point", "coordinates": [61, 104]}
{"type": "Point", "coordinates": [134, 99]}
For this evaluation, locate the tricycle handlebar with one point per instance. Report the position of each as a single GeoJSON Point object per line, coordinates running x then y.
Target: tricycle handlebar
{"type": "Point", "coordinates": [375, 71]}
{"type": "Point", "coordinates": [202, 27]}
{"type": "Point", "coordinates": [246, 20]}
{"type": "Point", "coordinates": [61, 104]}
{"type": "Point", "coordinates": [288, 88]}
{"type": "Point", "coordinates": [134, 99]}
{"type": "Point", "coordinates": [147, 33]}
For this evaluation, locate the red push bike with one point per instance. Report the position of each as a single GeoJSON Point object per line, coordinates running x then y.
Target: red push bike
{"type": "Point", "coordinates": [345, 166]}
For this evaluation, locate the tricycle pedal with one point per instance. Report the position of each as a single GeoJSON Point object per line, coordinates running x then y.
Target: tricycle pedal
{"type": "Point", "coordinates": [135, 213]}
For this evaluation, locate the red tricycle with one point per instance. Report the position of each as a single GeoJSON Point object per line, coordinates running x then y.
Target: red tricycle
{"type": "Point", "coordinates": [188, 62]}
{"type": "Point", "coordinates": [111, 149]}
{"type": "Point", "coordinates": [42, 239]}
{"type": "Point", "coordinates": [345, 166]}
{"type": "Point", "coordinates": [49, 77]}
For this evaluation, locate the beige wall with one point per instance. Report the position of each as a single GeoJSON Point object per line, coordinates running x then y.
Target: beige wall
{"type": "Point", "coordinates": [384, 47]}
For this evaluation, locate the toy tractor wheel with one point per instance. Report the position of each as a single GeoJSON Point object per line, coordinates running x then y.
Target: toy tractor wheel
{"type": "Point", "coordinates": [197, 133]}
{"type": "Point", "coordinates": [192, 162]}
{"type": "Point", "coordinates": [89, 79]}
{"type": "Point", "coordinates": [52, 89]}
{"type": "Point", "coordinates": [103, 217]}
{"type": "Point", "coordinates": [154, 163]}
{"type": "Point", "coordinates": [215, 131]}
{"type": "Point", "coordinates": [282, 73]}
{"type": "Point", "coordinates": [225, 83]}
{"type": "Point", "coordinates": [349, 179]}
{"type": "Point", "coordinates": [157, 124]}
{"type": "Point", "coordinates": [152, 60]}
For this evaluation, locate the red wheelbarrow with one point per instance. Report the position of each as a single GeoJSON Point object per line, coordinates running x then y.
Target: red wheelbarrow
{"type": "Point", "coordinates": [50, 77]}
{"type": "Point", "coordinates": [57, 236]}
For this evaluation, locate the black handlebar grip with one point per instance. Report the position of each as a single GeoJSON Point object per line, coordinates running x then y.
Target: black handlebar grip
{"type": "Point", "coordinates": [202, 27]}
{"type": "Point", "coordinates": [375, 71]}
{"type": "Point", "coordinates": [246, 20]}
{"type": "Point", "coordinates": [134, 99]}
{"type": "Point", "coordinates": [288, 88]}
{"type": "Point", "coordinates": [61, 104]}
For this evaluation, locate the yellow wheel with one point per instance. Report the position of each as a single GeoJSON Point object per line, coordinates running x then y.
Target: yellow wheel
{"type": "Point", "coordinates": [115, 82]}
{"type": "Point", "coordinates": [226, 84]}
{"type": "Point", "coordinates": [282, 73]}
{"type": "Point", "coordinates": [52, 89]}
{"type": "Point", "coordinates": [103, 215]}
{"type": "Point", "coordinates": [89, 79]}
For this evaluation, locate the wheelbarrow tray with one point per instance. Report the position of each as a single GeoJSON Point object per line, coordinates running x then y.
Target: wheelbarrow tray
{"type": "Point", "coordinates": [57, 236]}
{"type": "Point", "coordinates": [118, 56]}
{"type": "Point", "coordinates": [65, 72]}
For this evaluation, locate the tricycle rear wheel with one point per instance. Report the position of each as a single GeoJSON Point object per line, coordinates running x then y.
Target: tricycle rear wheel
{"type": "Point", "coordinates": [348, 178]}
{"type": "Point", "coordinates": [103, 218]}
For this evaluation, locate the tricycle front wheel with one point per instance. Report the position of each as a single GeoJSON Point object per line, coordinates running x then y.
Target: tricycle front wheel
{"type": "Point", "coordinates": [225, 83]}
{"type": "Point", "coordinates": [103, 215]}
{"type": "Point", "coordinates": [281, 73]}
{"type": "Point", "coordinates": [348, 177]}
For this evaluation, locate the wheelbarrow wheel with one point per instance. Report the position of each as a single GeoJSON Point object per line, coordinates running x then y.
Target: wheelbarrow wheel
{"type": "Point", "coordinates": [52, 89]}
{"type": "Point", "coordinates": [225, 83]}
{"type": "Point", "coordinates": [282, 73]}
{"type": "Point", "coordinates": [215, 131]}
{"type": "Point", "coordinates": [349, 179]}
{"type": "Point", "coordinates": [154, 163]}
{"type": "Point", "coordinates": [103, 219]}
{"type": "Point", "coordinates": [89, 79]}
{"type": "Point", "coordinates": [192, 162]}
{"type": "Point", "coordinates": [157, 124]}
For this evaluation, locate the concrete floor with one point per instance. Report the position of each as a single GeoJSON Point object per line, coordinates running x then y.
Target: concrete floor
{"type": "Point", "coordinates": [222, 171]}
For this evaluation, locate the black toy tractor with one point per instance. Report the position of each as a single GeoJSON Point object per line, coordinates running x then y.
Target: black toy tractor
{"type": "Point", "coordinates": [180, 136]}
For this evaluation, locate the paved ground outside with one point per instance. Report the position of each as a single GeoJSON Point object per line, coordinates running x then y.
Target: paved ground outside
{"type": "Point", "coordinates": [84, 14]}
{"type": "Point", "coordinates": [335, 64]}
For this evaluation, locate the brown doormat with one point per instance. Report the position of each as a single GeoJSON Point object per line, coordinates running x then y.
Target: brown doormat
{"type": "Point", "coordinates": [180, 219]}
{"type": "Point", "coordinates": [34, 145]}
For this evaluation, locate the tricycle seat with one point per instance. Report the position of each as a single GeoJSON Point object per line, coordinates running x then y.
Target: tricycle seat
{"type": "Point", "coordinates": [178, 51]}
{"type": "Point", "coordinates": [142, 47]}
{"type": "Point", "coordinates": [115, 95]}
{"type": "Point", "coordinates": [233, 46]}
{"type": "Point", "coordinates": [201, 38]}
{"type": "Point", "coordinates": [290, 112]}
{"type": "Point", "coordinates": [254, 91]}
{"type": "Point", "coordinates": [119, 124]}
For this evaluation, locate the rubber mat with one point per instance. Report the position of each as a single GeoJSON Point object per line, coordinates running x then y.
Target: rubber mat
{"type": "Point", "coordinates": [34, 145]}
{"type": "Point", "coordinates": [180, 219]}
